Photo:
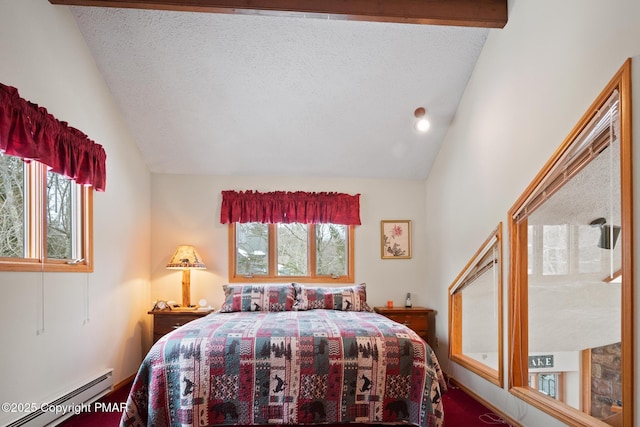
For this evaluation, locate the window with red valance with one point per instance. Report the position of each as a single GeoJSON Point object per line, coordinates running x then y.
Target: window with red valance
{"type": "Point", "coordinates": [48, 172]}
{"type": "Point", "coordinates": [301, 236]}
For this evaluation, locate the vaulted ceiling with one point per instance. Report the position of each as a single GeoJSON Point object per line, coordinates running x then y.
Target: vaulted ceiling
{"type": "Point", "coordinates": [287, 90]}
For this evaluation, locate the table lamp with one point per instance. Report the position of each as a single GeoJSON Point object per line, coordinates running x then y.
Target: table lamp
{"type": "Point", "coordinates": [186, 259]}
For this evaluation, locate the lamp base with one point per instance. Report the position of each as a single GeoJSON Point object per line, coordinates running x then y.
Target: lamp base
{"type": "Point", "coordinates": [186, 288]}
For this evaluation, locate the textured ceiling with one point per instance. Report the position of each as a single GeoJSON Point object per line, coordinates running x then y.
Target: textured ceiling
{"type": "Point", "coordinates": [229, 94]}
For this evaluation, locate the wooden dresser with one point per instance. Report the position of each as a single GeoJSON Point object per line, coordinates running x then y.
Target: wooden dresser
{"type": "Point", "coordinates": [417, 318]}
{"type": "Point", "coordinates": [165, 321]}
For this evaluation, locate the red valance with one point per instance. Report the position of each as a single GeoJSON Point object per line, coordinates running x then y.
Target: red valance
{"type": "Point", "coordinates": [288, 207]}
{"type": "Point", "coordinates": [31, 133]}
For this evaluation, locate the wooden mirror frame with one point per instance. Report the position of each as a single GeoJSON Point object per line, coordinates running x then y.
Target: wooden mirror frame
{"type": "Point", "coordinates": [518, 289]}
{"type": "Point", "coordinates": [456, 353]}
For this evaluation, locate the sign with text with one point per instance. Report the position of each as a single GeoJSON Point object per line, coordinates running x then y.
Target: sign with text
{"type": "Point", "coordinates": [544, 361]}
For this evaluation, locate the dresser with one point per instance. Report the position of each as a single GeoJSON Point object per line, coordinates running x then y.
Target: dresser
{"type": "Point", "coordinates": [165, 321]}
{"type": "Point", "coordinates": [419, 319]}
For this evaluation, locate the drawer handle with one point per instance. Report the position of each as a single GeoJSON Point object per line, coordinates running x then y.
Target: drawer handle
{"type": "Point", "coordinates": [176, 326]}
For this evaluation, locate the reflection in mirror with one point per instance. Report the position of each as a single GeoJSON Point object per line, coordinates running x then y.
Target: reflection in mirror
{"type": "Point", "coordinates": [571, 256]}
{"type": "Point", "coordinates": [475, 312]}
{"type": "Point", "coordinates": [570, 274]}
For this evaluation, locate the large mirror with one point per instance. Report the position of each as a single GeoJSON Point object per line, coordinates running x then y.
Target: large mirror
{"type": "Point", "coordinates": [570, 284]}
{"type": "Point", "coordinates": [475, 312]}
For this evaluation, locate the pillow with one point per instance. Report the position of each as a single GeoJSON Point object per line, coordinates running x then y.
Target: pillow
{"type": "Point", "coordinates": [252, 297]}
{"type": "Point", "coordinates": [347, 298]}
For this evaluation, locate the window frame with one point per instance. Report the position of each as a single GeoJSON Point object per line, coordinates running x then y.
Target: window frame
{"type": "Point", "coordinates": [272, 277]}
{"type": "Point", "coordinates": [456, 353]}
{"type": "Point", "coordinates": [36, 225]}
{"type": "Point", "coordinates": [518, 309]}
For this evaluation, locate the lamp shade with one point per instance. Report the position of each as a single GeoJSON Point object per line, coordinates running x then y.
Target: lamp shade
{"type": "Point", "coordinates": [185, 258]}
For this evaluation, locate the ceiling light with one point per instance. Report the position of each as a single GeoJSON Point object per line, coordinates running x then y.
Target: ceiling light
{"type": "Point", "coordinates": [422, 124]}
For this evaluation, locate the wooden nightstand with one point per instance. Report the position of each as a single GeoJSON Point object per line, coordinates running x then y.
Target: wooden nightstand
{"type": "Point", "coordinates": [166, 321]}
{"type": "Point", "coordinates": [417, 318]}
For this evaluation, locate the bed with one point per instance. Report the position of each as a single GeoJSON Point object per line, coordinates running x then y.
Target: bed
{"type": "Point", "coordinates": [274, 355]}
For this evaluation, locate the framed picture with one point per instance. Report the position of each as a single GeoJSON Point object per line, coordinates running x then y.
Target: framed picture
{"type": "Point", "coordinates": [396, 239]}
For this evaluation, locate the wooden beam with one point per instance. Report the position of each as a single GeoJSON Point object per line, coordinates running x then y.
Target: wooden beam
{"type": "Point", "coordinates": [468, 13]}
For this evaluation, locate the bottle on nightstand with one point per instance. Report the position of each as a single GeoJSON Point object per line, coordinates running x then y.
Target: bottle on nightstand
{"type": "Point", "coordinates": [408, 301]}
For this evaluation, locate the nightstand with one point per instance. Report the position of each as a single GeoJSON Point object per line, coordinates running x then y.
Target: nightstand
{"type": "Point", "coordinates": [166, 321]}
{"type": "Point", "coordinates": [416, 318]}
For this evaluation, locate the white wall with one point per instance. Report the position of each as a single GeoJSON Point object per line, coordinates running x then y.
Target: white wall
{"type": "Point", "coordinates": [186, 210]}
{"type": "Point", "coordinates": [43, 55]}
{"type": "Point", "coordinates": [533, 81]}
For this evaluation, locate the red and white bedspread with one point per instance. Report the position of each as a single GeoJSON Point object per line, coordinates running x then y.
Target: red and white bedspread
{"type": "Point", "coordinates": [290, 367]}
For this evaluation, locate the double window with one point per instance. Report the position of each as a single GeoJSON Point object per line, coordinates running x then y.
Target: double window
{"type": "Point", "coordinates": [291, 251]}
{"type": "Point", "coordinates": [45, 219]}
{"type": "Point", "coordinates": [290, 236]}
{"type": "Point", "coordinates": [45, 205]}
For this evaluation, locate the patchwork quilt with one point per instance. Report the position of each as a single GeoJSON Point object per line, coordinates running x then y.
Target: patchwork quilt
{"type": "Point", "coordinates": [289, 367]}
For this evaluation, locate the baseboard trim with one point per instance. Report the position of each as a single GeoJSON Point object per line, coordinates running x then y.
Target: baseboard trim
{"type": "Point", "coordinates": [124, 383]}
{"type": "Point", "coordinates": [495, 410]}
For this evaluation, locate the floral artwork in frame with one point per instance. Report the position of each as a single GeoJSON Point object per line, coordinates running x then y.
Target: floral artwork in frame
{"type": "Point", "coordinates": [396, 239]}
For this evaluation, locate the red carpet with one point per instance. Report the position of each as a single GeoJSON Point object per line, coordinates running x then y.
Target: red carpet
{"type": "Point", "coordinates": [460, 409]}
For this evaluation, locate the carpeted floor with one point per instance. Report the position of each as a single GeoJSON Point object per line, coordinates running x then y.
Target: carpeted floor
{"type": "Point", "coordinates": [461, 410]}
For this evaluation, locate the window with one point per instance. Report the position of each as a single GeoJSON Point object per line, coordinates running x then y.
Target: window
{"type": "Point", "coordinates": [570, 236]}
{"type": "Point", "coordinates": [549, 384]}
{"type": "Point", "coordinates": [282, 235]}
{"type": "Point", "coordinates": [475, 312]}
{"type": "Point", "coordinates": [564, 249]}
{"type": "Point", "coordinates": [45, 219]}
{"type": "Point", "coordinates": [555, 254]}
{"type": "Point", "coordinates": [301, 252]}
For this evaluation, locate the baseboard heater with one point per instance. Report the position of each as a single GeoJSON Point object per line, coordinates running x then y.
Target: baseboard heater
{"type": "Point", "coordinates": [86, 393]}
